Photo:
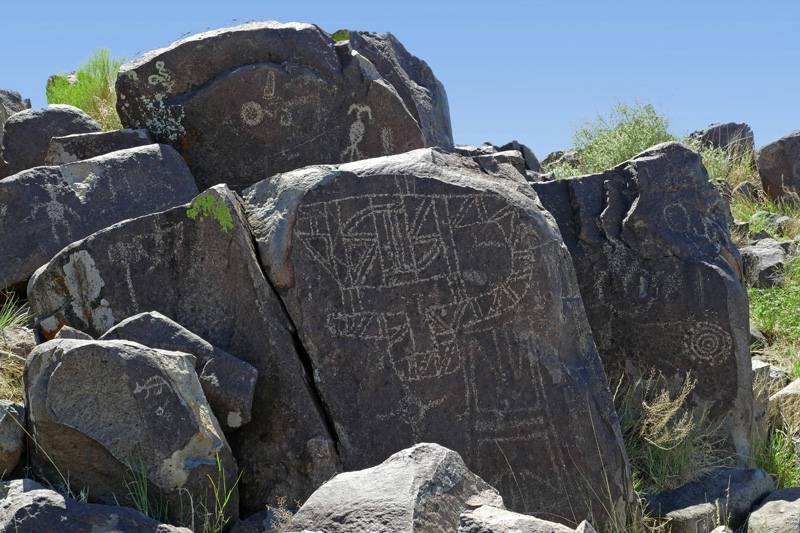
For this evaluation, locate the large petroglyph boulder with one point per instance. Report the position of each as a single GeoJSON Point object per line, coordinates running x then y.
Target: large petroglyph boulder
{"type": "Point", "coordinates": [101, 410]}
{"type": "Point", "coordinates": [778, 165]}
{"type": "Point", "coordinates": [437, 303]}
{"type": "Point", "coordinates": [228, 382]}
{"type": "Point", "coordinates": [661, 279]}
{"type": "Point", "coordinates": [45, 208]}
{"type": "Point", "coordinates": [423, 489]}
{"type": "Point", "coordinates": [28, 507]}
{"type": "Point", "coordinates": [28, 133]}
{"type": "Point", "coordinates": [202, 273]}
{"type": "Point", "coordinates": [243, 103]}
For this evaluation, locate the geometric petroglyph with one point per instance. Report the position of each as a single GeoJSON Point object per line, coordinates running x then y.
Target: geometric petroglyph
{"type": "Point", "coordinates": [418, 247]}
{"type": "Point", "coordinates": [708, 342]}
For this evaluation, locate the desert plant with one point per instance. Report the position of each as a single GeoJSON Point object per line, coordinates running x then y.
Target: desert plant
{"type": "Point", "coordinates": [12, 313]}
{"type": "Point", "coordinates": [668, 444]}
{"type": "Point", "coordinates": [778, 457]}
{"type": "Point", "coordinates": [614, 138]}
{"type": "Point", "coordinates": [281, 515]}
{"type": "Point", "coordinates": [93, 91]}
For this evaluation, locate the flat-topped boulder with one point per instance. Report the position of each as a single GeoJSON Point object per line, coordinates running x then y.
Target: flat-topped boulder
{"type": "Point", "coordinates": [438, 303]}
{"type": "Point", "coordinates": [82, 146]}
{"type": "Point", "coordinates": [244, 103]}
{"type": "Point", "coordinates": [196, 265]}
{"type": "Point", "coordinates": [661, 280]}
{"type": "Point", "coordinates": [46, 208]}
{"type": "Point", "coordinates": [28, 133]}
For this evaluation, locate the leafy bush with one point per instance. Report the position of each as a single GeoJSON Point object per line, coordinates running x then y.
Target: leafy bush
{"type": "Point", "coordinates": [614, 138]}
{"type": "Point", "coordinates": [93, 91]}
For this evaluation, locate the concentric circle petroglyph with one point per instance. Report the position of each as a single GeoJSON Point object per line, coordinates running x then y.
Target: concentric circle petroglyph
{"type": "Point", "coordinates": [707, 341]}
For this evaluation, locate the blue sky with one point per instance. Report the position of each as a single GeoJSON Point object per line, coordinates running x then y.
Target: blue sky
{"type": "Point", "coordinates": [521, 70]}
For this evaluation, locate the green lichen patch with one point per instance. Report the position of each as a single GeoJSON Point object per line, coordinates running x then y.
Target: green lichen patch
{"type": "Point", "coordinates": [208, 205]}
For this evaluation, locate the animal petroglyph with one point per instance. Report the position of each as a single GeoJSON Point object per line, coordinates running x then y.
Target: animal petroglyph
{"type": "Point", "coordinates": [357, 130]}
{"type": "Point", "coordinates": [153, 385]}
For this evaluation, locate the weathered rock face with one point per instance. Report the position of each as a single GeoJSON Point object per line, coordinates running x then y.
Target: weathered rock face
{"type": "Point", "coordinates": [28, 133]}
{"type": "Point", "coordinates": [437, 303]}
{"type": "Point", "coordinates": [44, 209]}
{"type": "Point", "coordinates": [248, 102]}
{"type": "Point", "coordinates": [100, 408]}
{"type": "Point", "coordinates": [228, 382]}
{"type": "Point", "coordinates": [778, 165]}
{"type": "Point", "coordinates": [204, 275]}
{"type": "Point", "coordinates": [412, 78]}
{"type": "Point", "coordinates": [778, 513]}
{"type": "Point", "coordinates": [488, 519]}
{"type": "Point", "coordinates": [660, 279]}
{"type": "Point", "coordinates": [764, 262]}
{"type": "Point", "coordinates": [421, 489]}
{"type": "Point", "coordinates": [730, 136]}
{"type": "Point", "coordinates": [82, 146]}
{"type": "Point", "coordinates": [695, 507]}
{"type": "Point", "coordinates": [28, 507]}
{"type": "Point", "coordinates": [12, 436]}
{"type": "Point", "coordinates": [10, 102]}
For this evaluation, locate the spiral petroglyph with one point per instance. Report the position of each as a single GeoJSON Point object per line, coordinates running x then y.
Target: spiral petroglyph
{"type": "Point", "coordinates": [707, 341]}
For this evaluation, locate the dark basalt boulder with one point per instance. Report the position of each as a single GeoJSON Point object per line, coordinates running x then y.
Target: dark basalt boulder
{"type": "Point", "coordinates": [46, 208]}
{"type": "Point", "coordinates": [778, 165]}
{"type": "Point", "coordinates": [28, 507]}
{"type": "Point", "coordinates": [661, 280]}
{"type": "Point", "coordinates": [202, 273]}
{"type": "Point", "coordinates": [101, 409]}
{"type": "Point", "coordinates": [244, 103]}
{"type": "Point", "coordinates": [437, 303]}
{"type": "Point", "coordinates": [28, 133]}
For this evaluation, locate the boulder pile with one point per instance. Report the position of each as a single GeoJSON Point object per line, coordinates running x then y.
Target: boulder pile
{"type": "Point", "coordinates": [284, 282]}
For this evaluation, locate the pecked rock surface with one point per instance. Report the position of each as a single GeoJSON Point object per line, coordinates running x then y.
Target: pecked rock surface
{"type": "Point", "coordinates": [99, 408]}
{"type": "Point", "coordinates": [28, 133]}
{"type": "Point", "coordinates": [244, 103]}
{"type": "Point", "coordinates": [661, 280]}
{"type": "Point", "coordinates": [437, 303]}
{"type": "Point", "coordinates": [28, 507]}
{"type": "Point", "coordinates": [202, 273]}
{"type": "Point", "coordinates": [422, 489]}
{"type": "Point", "coordinates": [45, 208]}
{"type": "Point", "coordinates": [228, 383]}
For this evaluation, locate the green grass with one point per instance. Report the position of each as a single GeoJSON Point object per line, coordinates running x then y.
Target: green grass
{"type": "Point", "coordinates": [12, 313]}
{"type": "Point", "coordinates": [94, 92]}
{"type": "Point", "coordinates": [208, 514]}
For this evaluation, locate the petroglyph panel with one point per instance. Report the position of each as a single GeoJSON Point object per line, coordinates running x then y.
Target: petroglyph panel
{"type": "Point", "coordinates": [438, 312]}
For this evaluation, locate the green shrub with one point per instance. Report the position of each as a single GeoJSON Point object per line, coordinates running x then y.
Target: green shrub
{"type": "Point", "coordinates": [94, 91]}
{"type": "Point", "coordinates": [614, 138]}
